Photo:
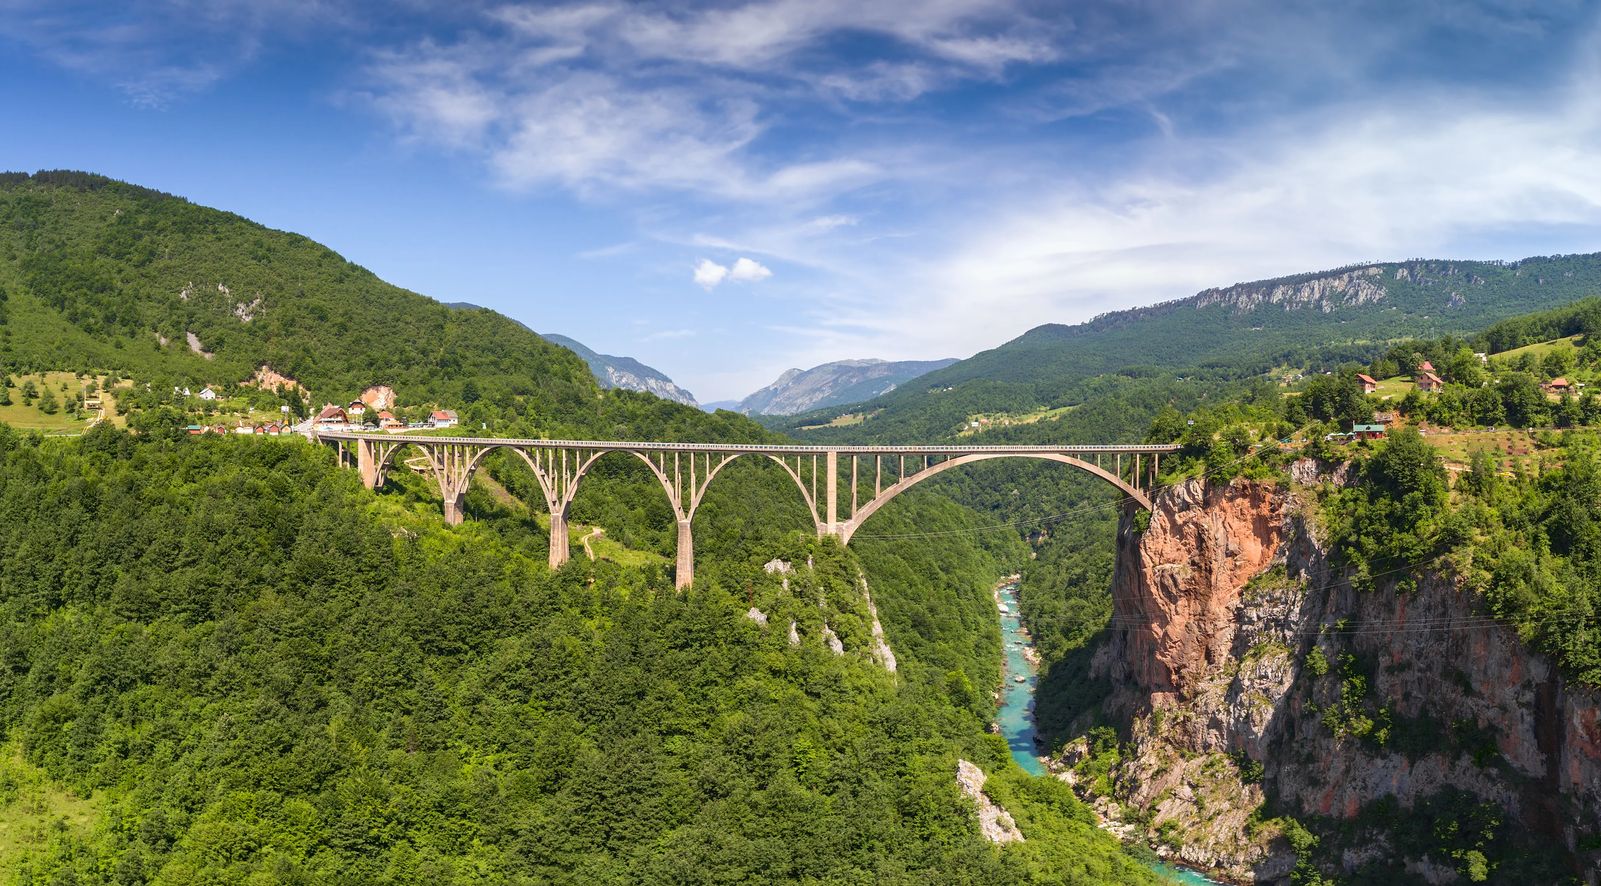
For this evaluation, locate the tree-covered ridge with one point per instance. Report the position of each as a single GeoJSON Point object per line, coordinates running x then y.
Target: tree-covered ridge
{"type": "Point", "coordinates": [259, 670]}
{"type": "Point", "coordinates": [98, 274]}
{"type": "Point", "coordinates": [1303, 320]}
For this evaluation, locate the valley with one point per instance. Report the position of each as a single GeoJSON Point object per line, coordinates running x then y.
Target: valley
{"type": "Point", "coordinates": [1218, 573]}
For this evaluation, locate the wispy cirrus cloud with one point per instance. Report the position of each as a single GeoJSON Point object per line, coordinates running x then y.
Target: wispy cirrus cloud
{"type": "Point", "coordinates": [155, 51]}
{"type": "Point", "coordinates": [607, 97]}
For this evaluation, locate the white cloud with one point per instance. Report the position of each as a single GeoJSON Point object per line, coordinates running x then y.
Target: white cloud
{"type": "Point", "coordinates": [709, 273]}
{"type": "Point", "coordinates": [747, 271]}
{"type": "Point", "coordinates": [1435, 173]}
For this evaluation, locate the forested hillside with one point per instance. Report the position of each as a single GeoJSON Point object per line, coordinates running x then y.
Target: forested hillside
{"type": "Point", "coordinates": [97, 274]}
{"type": "Point", "coordinates": [232, 663]}
{"type": "Point", "coordinates": [1235, 332]}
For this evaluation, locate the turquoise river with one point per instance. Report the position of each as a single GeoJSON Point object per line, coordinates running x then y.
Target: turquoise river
{"type": "Point", "coordinates": [1016, 715]}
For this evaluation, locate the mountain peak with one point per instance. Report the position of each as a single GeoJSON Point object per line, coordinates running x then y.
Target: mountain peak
{"type": "Point", "coordinates": [834, 384]}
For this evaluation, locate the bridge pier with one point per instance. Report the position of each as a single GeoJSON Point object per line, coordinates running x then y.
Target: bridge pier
{"type": "Point", "coordinates": [559, 550]}
{"type": "Point", "coordinates": [455, 509]}
{"type": "Point", "coordinates": [684, 575]}
{"type": "Point", "coordinates": [367, 465]}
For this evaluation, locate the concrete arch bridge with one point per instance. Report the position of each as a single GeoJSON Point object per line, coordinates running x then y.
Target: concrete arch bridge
{"type": "Point", "coordinates": [842, 486]}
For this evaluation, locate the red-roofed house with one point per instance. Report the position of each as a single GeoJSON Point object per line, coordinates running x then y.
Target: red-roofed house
{"type": "Point", "coordinates": [332, 415]}
{"type": "Point", "coordinates": [388, 422]}
{"type": "Point", "coordinates": [443, 418]}
{"type": "Point", "coordinates": [1428, 381]}
{"type": "Point", "coordinates": [1425, 366]}
{"type": "Point", "coordinates": [1369, 386]}
{"type": "Point", "coordinates": [1558, 385]}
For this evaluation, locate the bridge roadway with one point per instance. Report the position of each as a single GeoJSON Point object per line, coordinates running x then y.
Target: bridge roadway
{"type": "Point", "coordinates": [686, 470]}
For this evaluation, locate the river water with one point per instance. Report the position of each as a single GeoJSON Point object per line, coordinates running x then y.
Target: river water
{"type": "Point", "coordinates": [1016, 715]}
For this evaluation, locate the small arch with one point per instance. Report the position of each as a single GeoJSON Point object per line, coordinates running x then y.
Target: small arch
{"type": "Point", "coordinates": [849, 527]}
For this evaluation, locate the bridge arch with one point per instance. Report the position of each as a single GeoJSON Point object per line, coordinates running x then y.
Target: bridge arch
{"type": "Point", "coordinates": [848, 528]}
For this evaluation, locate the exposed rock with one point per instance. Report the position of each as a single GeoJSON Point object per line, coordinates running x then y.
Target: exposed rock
{"type": "Point", "coordinates": [833, 641]}
{"type": "Point", "coordinates": [246, 311]}
{"type": "Point", "coordinates": [776, 565]}
{"type": "Point", "coordinates": [881, 651]}
{"type": "Point", "coordinates": [1220, 600]}
{"type": "Point", "coordinates": [378, 396]}
{"type": "Point", "coordinates": [162, 340]}
{"type": "Point", "coordinates": [794, 635]}
{"type": "Point", "coordinates": [622, 372]}
{"type": "Point", "coordinates": [186, 292]}
{"type": "Point", "coordinates": [194, 345]}
{"type": "Point", "coordinates": [1326, 293]}
{"type": "Point", "coordinates": [269, 379]}
{"type": "Point", "coordinates": [996, 823]}
{"type": "Point", "coordinates": [756, 615]}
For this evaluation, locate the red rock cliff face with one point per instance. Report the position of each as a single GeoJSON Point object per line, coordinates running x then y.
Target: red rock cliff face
{"type": "Point", "coordinates": [1223, 660]}
{"type": "Point", "coordinates": [1179, 582]}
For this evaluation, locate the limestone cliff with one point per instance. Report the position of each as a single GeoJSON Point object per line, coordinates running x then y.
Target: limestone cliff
{"type": "Point", "coordinates": [1251, 672]}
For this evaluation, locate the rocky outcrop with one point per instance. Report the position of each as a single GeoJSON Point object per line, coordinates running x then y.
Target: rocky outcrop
{"type": "Point", "coordinates": [756, 615]}
{"type": "Point", "coordinates": [1325, 293]}
{"type": "Point", "coordinates": [196, 346]}
{"type": "Point", "coordinates": [995, 823]}
{"type": "Point", "coordinates": [269, 379]}
{"type": "Point", "coordinates": [832, 641]}
{"type": "Point", "coordinates": [881, 651]}
{"type": "Point", "coordinates": [378, 397]}
{"type": "Point", "coordinates": [1249, 668]}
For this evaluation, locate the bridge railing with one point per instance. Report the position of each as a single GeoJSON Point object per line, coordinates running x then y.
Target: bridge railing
{"type": "Point", "coordinates": [757, 448]}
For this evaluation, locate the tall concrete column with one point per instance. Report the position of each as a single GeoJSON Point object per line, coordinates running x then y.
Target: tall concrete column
{"type": "Point", "coordinates": [686, 556]}
{"type": "Point", "coordinates": [366, 464]}
{"type": "Point", "coordinates": [559, 550]}
{"type": "Point", "coordinates": [832, 484]}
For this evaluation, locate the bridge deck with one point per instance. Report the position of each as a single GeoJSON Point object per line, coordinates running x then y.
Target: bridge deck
{"type": "Point", "coordinates": [757, 448]}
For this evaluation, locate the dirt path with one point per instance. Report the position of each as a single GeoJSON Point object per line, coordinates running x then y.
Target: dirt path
{"type": "Point", "coordinates": [595, 533]}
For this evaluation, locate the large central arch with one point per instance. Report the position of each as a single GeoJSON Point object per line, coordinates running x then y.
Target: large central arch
{"type": "Point", "coordinates": [848, 528]}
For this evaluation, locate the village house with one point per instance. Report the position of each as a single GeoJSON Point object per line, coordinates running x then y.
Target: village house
{"type": "Point", "coordinates": [443, 418]}
{"type": "Point", "coordinates": [1367, 432]}
{"type": "Point", "coordinates": [206, 393]}
{"type": "Point", "coordinates": [1426, 366]}
{"type": "Point", "coordinates": [388, 422]}
{"type": "Point", "coordinates": [1558, 385]}
{"type": "Point", "coordinates": [1427, 381]}
{"type": "Point", "coordinates": [332, 416]}
{"type": "Point", "coordinates": [1369, 386]}
{"type": "Point", "coordinates": [356, 409]}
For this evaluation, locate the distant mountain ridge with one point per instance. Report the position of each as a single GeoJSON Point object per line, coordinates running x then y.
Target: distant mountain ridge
{"type": "Point", "coordinates": [609, 371]}
{"type": "Point", "coordinates": [835, 384]}
{"type": "Point", "coordinates": [625, 372]}
{"type": "Point", "coordinates": [1243, 329]}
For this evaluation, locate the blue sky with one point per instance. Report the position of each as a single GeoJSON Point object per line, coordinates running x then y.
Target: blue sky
{"type": "Point", "coordinates": [726, 190]}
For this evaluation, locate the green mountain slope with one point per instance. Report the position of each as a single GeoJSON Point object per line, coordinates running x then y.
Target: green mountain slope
{"type": "Point", "coordinates": [98, 274]}
{"type": "Point", "coordinates": [234, 664]}
{"type": "Point", "coordinates": [1236, 331]}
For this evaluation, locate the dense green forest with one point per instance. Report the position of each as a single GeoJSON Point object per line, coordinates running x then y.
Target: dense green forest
{"type": "Point", "coordinates": [231, 663]}
{"type": "Point", "coordinates": [98, 274]}
{"type": "Point", "coordinates": [256, 669]}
